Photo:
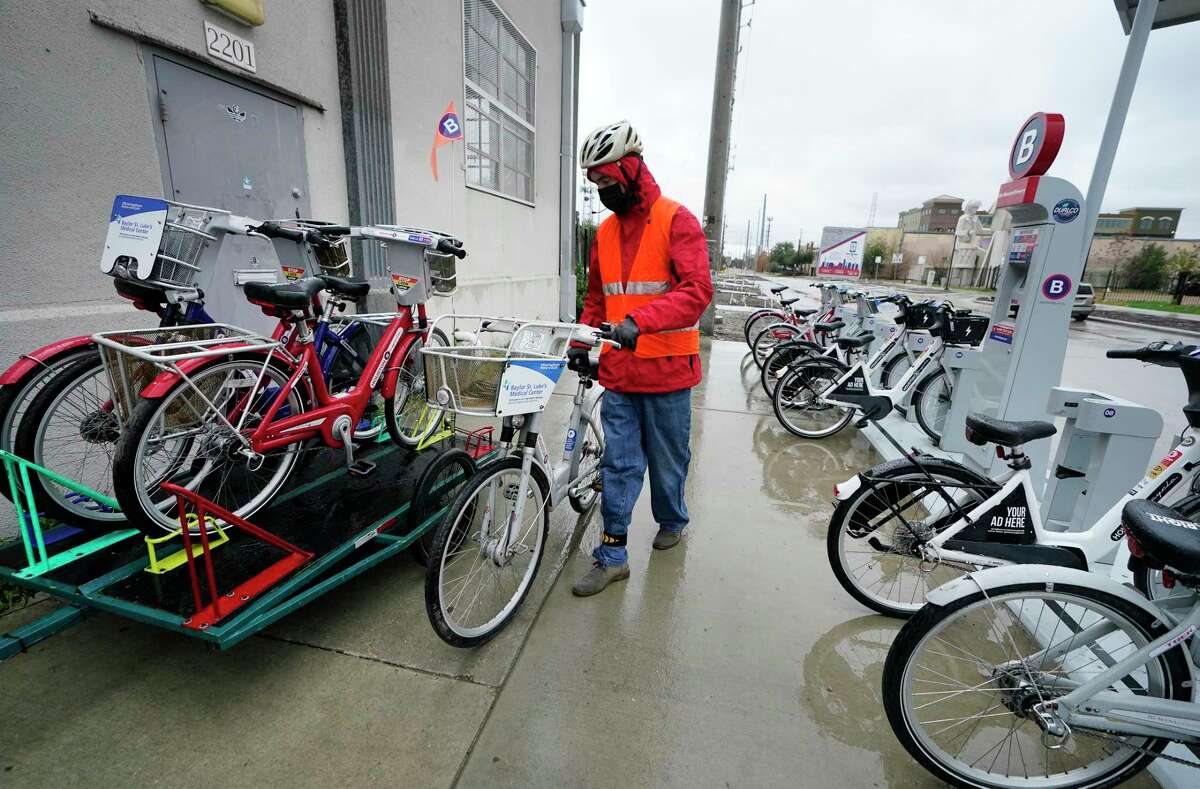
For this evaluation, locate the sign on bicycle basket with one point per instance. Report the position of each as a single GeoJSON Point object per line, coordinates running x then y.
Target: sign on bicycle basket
{"type": "Point", "coordinates": [135, 228]}
{"type": "Point", "coordinates": [527, 385]}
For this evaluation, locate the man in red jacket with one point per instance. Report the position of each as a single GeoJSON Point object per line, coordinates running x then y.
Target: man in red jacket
{"type": "Point", "coordinates": [649, 278]}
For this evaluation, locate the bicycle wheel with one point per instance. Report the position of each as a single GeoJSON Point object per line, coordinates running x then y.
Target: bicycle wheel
{"type": "Point", "coordinates": [797, 401]}
{"type": "Point", "coordinates": [781, 357]}
{"type": "Point", "coordinates": [961, 682]}
{"type": "Point", "coordinates": [770, 337]}
{"type": "Point", "coordinates": [16, 397]}
{"type": "Point", "coordinates": [182, 437]}
{"type": "Point", "coordinates": [584, 493]}
{"type": "Point", "coordinates": [873, 553]}
{"type": "Point", "coordinates": [410, 418]}
{"type": "Point", "coordinates": [435, 489]}
{"type": "Point", "coordinates": [71, 428]}
{"type": "Point", "coordinates": [755, 323]}
{"type": "Point", "coordinates": [931, 401]}
{"type": "Point", "coordinates": [471, 589]}
{"type": "Point", "coordinates": [893, 370]}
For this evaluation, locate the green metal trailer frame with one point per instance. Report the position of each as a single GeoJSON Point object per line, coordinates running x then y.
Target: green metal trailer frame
{"type": "Point", "coordinates": [312, 580]}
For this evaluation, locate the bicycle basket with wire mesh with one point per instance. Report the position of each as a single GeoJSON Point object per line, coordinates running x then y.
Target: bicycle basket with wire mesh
{"type": "Point", "coordinates": [475, 378]}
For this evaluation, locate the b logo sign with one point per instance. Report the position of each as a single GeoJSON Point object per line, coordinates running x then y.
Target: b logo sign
{"type": "Point", "coordinates": [1036, 145]}
{"type": "Point", "coordinates": [449, 126]}
{"type": "Point", "coordinates": [1056, 287]}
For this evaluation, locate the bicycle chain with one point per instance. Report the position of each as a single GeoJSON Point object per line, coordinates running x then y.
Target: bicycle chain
{"type": "Point", "coordinates": [1139, 748]}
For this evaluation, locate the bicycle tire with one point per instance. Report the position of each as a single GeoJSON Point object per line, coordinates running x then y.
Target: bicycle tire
{"type": "Point", "coordinates": [893, 370]}
{"type": "Point", "coordinates": [771, 337]}
{"type": "Point", "coordinates": [929, 396]}
{"type": "Point", "coordinates": [808, 379]}
{"type": "Point", "coordinates": [446, 537]}
{"type": "Point", "coordinates": [402, 435]}
{"type": "Point", "coordinates": [753, 318]}
{"type": "Point", "coordinates": [1172, 663]}
{"type": "Point", "coordinates": [582, 504]}
{"type": "Point", "coordinates": [426, 501]}
{"type": "Point", "coordinates": [782, 356]}
{"type": "Point", "coordinates": [96, 428]}
{"type": "Point", "coordinates": [127, 487]}
{"type": "Point", "coordinates": [853, 513]}
{"type": "Point", "coordinates": [16, 397]}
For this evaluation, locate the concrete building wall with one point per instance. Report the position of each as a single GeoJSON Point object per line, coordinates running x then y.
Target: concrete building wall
{"type": "Point", "coordinates": [512, 268]}
{"type": "Point", "coordinates": [935, 247]}
{"type": "Point", "coordinates": [1112, 252]}
{"type": "Point", "coordinates": [78, 128]}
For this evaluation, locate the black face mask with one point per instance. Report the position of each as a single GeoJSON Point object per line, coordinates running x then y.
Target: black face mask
{"type": "Point", "coordinates": [617, 198]}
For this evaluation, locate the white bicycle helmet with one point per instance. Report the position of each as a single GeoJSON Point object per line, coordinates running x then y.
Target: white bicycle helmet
{"type": "Point", "coordinates": [609, 144]}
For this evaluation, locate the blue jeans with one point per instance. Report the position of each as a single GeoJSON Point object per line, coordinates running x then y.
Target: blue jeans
{"type": "Point", "coordinates": [643, 430]}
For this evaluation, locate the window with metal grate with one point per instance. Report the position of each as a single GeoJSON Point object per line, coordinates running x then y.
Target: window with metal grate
{"type": "Point", "coordinates": [500, 69]}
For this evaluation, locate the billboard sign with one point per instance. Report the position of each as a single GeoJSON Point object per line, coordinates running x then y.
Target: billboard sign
{"type": "Point", "coordinates": [842, 252]}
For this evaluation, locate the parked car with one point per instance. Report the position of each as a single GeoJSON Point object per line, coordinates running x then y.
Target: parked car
{"type": "Point", "coordinates": [1085, 303]}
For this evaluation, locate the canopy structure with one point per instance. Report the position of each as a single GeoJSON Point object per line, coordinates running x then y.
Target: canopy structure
{"type": "Point", "coordinates": [1138, 18]}
{"type": "Point", "coordinates": [1168, 13]}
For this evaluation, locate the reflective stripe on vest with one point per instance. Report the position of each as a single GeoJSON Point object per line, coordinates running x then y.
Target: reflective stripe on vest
{"type": "Point", "coordinates": [649, 279]}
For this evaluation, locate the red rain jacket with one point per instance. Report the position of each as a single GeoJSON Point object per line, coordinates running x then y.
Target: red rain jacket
{"type": "Point", "coordinates": [691, 291]}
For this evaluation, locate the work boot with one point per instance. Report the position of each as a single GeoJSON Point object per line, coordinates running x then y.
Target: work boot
{"type": "Point", "coordinates": [666, 539]}
{"type": "Point", "coordinates": [600, 576]}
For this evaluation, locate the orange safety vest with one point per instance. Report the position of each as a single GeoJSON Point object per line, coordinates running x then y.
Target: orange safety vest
{"type": "Point", "coordinates": [649, 279]}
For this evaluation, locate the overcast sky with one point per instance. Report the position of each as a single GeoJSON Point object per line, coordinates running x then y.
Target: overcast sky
{"type": "Point", "coordinates": [837, 100]}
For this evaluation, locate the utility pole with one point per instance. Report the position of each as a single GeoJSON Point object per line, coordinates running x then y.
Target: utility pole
{"type": "Point", "coordinates": [718, 140]}
{"type": "Point", "coordinates": [871, 213]}
{"type": "Point", "coordinates": [746, 249]}
{"type": "Point", "coordinates": [762, 225]}
{"type": "Point", "coordinates": [770, 219]}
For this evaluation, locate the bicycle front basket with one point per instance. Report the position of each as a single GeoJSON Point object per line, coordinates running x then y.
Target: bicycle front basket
{"type": "Point", "coordinates": [468, 377]}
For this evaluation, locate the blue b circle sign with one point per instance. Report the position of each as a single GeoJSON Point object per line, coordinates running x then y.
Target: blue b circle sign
{"type": "Point", "coordinates": [1066, 210]}
{"type": "Point", "coordinates": [1056, 286]}
{"type": "Point", "coordinates": [449, 126]}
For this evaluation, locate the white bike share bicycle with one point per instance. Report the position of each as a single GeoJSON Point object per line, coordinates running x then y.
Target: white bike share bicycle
{"type": "Point", "coordinates": [907, 526]}
{"type": "Point", "coordinates": [487, 549]}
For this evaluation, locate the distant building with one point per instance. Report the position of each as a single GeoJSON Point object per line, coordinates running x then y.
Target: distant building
{"type": "Point", "coordinates": [1145, 222]}
{"type": "Point", "coordinates": [936, 215]}
{"type": "Point", "coordinates": [1114, 225]}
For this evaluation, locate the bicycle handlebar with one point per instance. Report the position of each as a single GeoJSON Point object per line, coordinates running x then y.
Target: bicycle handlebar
{"type": "Point", "coordinates": [274, 230]}
{"type": "Point", "coordinates": [1161, 352]}
{"type": "Point", "coordinates": [452, 246]}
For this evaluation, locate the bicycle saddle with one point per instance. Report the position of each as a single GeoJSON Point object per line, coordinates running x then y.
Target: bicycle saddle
{"type": "Point", "coordinates": [1165, 536]}
{"type": "Point", "coordinates": [290, 296]}
{"type": "Point", "coordinates": [985, 429]}
{"type": "Point", "coordinates": [778, 288]}
{"type": "Point", "coordinates": [859, 341]}
{"type": "Point", "coordinates": [799, 313]}
{"type": "Point", "coordinates": [828, 327]}
{"type": "Point", "coordinates": [786, 302]}
{"type": "Point", "coordinates": [343, 286]}
{"type": "Point", "coordinates": [140, 293]}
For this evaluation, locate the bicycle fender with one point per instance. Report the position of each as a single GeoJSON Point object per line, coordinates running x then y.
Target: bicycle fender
{"type": "Point", "coordinates": [998, 577]}
{"type": "Point", "coordinates": [164, 381]}
{"type": "Point", "coordinates": [35, 360]}
{"type": "Point", "coordinates": [844, 490]}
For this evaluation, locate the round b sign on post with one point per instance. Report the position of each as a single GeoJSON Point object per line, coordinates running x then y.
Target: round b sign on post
{"type": "Point", "coordinates": [1056, 287]}
{"type": "Point", "coordinates": [1036, 145]}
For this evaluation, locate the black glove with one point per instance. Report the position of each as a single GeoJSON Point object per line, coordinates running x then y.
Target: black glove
{"type": "Point", "coordinates": [578, 360]}
{"type": "Point", "coordinates": [626, 333]}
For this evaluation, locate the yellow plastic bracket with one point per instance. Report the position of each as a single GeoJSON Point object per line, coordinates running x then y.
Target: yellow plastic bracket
{"type": "Point", "coordinates": [170, 562]}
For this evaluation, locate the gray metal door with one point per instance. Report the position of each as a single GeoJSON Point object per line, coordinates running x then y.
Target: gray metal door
{"type": "Point", "coordinates": [231, 147]}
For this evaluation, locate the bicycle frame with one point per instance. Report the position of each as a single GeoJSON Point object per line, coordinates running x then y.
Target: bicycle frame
{"type": "Point", "coordinates": [856, 382]}
{"type": "Point", "coordinates": [1090, 705]}
{"type": "Point", "coordinates": [1099, 543]}
{"type": "Point", "coordinates": [275, 432]}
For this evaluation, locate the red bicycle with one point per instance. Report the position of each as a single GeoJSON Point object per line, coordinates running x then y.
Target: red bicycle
{"type": "Point", "coordinates": [229, 420]}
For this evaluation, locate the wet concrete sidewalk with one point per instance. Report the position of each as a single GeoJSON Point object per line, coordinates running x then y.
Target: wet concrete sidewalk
{"type": "Point", "coordinates": [732, 660]}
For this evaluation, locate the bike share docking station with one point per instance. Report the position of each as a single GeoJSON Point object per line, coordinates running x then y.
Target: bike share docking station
{"type": "Point", "coordinates": [1106, 442]}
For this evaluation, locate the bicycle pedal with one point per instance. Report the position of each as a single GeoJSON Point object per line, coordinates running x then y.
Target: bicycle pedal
{"type": "Point", "coordinates": [361, 468]}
